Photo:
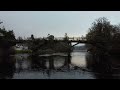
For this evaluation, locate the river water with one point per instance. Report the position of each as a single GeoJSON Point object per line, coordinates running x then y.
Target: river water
{"type": "Point", "coordinates": [76, 65]}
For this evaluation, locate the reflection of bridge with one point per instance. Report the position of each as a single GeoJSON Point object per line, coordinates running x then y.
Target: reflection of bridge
{"type": "Point", "coordinates": [49, 62]}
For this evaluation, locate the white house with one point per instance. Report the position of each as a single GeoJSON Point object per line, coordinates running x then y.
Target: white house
{"type": "Point", "coordinates": [21, 47]}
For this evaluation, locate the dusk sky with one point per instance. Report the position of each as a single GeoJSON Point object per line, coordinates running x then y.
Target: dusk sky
{"type": "Point", "coordinates": [57, 23]}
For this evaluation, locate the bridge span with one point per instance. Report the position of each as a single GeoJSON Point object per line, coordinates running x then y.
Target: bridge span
{"type": "Point", "coordinates": [70, 40]}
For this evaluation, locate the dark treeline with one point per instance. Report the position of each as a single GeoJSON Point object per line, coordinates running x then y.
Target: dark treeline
{"type": "Point", "coordinates": [104, 36]}
{"type": "Point", "coordinates": [38, 46]}
{"type": "Point", "coordinates": [104, 39]}
{"type": "Point", "coordinates": [6, 41]}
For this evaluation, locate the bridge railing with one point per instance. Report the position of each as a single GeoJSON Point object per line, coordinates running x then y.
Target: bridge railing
{"type": "Point", "coordinates": [69, 38]}
{"type": "Point", "coordinates": [77, 39]}
{"type": "Point", "coordinates": [62, 38]}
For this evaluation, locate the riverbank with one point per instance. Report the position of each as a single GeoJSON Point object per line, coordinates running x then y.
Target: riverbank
{"type": "Point", "coordinates": [22, 51]}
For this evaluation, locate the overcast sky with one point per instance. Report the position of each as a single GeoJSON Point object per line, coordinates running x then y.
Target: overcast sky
{"type": "Point", "coordinates": [57, 23]}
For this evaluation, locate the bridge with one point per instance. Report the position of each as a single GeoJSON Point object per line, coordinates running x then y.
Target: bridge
{"type": "Point", "coordinates": [70, 40]}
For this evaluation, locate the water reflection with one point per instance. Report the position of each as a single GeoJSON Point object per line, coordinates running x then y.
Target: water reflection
{"type": "Point", "coordinates": [104, 67]}
{"type": "Point", "coordinates": [44, 64]}
{"type": "Point", "coordinates": [7, 67]}
{"type": "Point", "coordinates": [75, 65]}
{"type": "Point", "coordinates": [51, 66]}
{"type": "Point", "coordinates": [53, 62]}
{"type": "Point", "coordinates": [22, 62]}
{"type": "Point", "coordinates": [79, 59]}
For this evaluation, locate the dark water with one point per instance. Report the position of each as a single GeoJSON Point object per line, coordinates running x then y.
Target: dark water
{"type": "Point", "coordinates": [77, 65]}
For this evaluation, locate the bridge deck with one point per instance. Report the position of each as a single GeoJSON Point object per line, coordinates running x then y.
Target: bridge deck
{"type": "Point", "coordinates": [70, 39]}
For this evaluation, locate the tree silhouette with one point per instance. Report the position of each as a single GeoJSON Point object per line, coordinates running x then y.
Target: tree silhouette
{"type": "Point", "coordinates": [103, 34]}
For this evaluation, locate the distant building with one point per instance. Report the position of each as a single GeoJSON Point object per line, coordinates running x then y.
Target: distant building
{"type": "Point", "coordinates": [21, 47]}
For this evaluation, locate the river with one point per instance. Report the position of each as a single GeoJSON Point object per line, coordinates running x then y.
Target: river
{"type": "Point", "coordinates": [76, 65]}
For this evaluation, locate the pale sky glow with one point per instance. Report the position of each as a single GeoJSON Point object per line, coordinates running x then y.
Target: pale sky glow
{"type": "Point", "coordinates": [57, 23]}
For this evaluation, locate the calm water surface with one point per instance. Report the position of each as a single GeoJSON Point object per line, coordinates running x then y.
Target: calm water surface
{"type": "Point", "coordinates": [77, 65]}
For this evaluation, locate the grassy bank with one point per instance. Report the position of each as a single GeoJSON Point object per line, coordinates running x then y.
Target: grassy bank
{"type": "Point", "coordinates": [22, 51]}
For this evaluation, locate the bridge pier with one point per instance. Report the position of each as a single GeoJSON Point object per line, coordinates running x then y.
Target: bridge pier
{"type": "Point", "coordinates": [51, 63]}
{"type": "Point", "coordinates": [69, 43]}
